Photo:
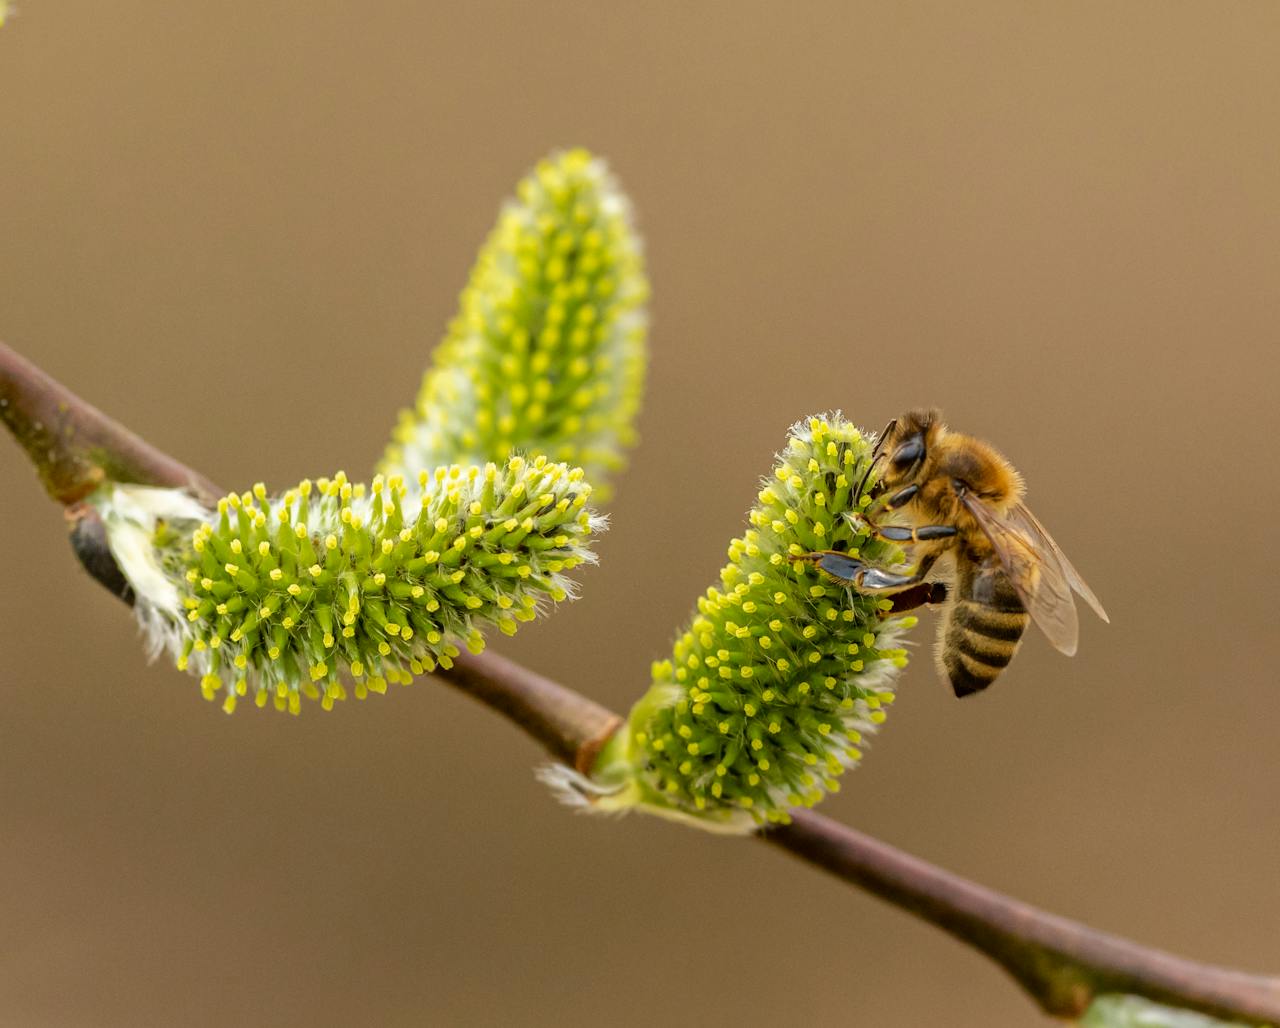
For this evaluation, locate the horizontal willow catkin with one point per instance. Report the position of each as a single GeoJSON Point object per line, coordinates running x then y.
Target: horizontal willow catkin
{"type": "Point", "coordinates": [333, 583]}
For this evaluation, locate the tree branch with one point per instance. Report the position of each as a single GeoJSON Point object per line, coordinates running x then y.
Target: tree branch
{"type": "Point", "coordinates": [73, 445]}
{"type": "Point", "coordinates": [1062, 964]}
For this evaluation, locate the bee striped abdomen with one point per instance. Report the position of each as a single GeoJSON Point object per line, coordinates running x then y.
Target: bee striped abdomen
{"type": "Point", "coordinates": [983, 628]}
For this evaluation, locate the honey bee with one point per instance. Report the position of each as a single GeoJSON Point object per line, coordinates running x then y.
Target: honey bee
{"type": "Point", "coordinates": [963, 500]}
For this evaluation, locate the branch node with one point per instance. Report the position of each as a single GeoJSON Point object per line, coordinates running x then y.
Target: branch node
{"type": "Point", "coordinates": [585, 759]}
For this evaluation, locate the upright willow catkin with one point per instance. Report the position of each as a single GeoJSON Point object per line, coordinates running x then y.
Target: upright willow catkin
{"type": "Point", "coordinates": [547, 352]}
{"type": "Point", "coordinates": [770, 691]}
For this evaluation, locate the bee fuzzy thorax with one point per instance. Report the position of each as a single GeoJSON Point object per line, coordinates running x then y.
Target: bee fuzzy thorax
{"type": "Point", "coordinates": [980, 467]}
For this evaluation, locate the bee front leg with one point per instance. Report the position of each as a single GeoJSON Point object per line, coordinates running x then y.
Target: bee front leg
{"type": "Point", "coordinates": [901, 533]}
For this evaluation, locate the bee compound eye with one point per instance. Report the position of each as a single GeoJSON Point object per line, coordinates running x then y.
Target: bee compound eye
{"type": "Point", "coordinates": [908, 453]}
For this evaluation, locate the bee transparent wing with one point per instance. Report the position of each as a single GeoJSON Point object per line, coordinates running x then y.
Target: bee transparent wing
{"type": "Point", "coordinates": [1024, 519]}
{"type": "Point", "coordinates": [1033, 567]}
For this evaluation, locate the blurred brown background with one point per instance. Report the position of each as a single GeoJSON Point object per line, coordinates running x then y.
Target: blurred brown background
{"type": "Point", "coordinates": [241, 227]}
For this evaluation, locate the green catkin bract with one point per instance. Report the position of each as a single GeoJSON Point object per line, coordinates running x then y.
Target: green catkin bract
{"type": "Point", "coordinates": [547, 352]}
{"type": "Point", "coordinates": [293, 596]}
{"type": "Point", "coordinates": [767, 696]}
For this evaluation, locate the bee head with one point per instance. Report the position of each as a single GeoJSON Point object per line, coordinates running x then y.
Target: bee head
{"type": "Point", "coordinates": [905, 445]}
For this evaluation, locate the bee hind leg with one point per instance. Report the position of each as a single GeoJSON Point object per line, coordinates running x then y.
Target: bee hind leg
{"type": "Point", "coordinates": [918, 595]}
{"type": "Point", "coordinates": [904, 592]}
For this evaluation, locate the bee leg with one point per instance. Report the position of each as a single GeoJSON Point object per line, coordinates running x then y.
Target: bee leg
{"type": "Point", "coordinates": [905, 591]}
{"type": "Point", "coordinates": [903, 534]}
{"type": "Point", "coordinates": [833, 564]}
{"type": "Point", "coordinates": [874, 581]}
{"type": "Point", "coordinates": [901, 498]}
{"type": "Point", "coordinates": [918, 595]}
{"type": "Point", "coordinates": [881, 502]}
{"type": "Point", "coordinates": [864, 578]}
{"type": "Point", "coordinates": [912, 591]}
{"type": "Point", "coordinates": [841, 567]}
{"type": "Point", "coordinates": [892, 502]}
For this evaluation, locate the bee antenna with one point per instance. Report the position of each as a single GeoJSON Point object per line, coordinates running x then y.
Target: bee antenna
{"type": "Point", "coordinates": [877, 455]}
{"type": "Point", "coordinates": [882, 437]}
{"type": "Point", "coordinates": [876, 459]}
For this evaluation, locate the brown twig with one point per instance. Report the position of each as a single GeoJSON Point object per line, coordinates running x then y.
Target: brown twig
{"type": "Point", "coordinates": [73, 445]}
{"type": "Point", "coordinates": [570, 726]}
{"type": "Point", "coordinates": [1062, 964]}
